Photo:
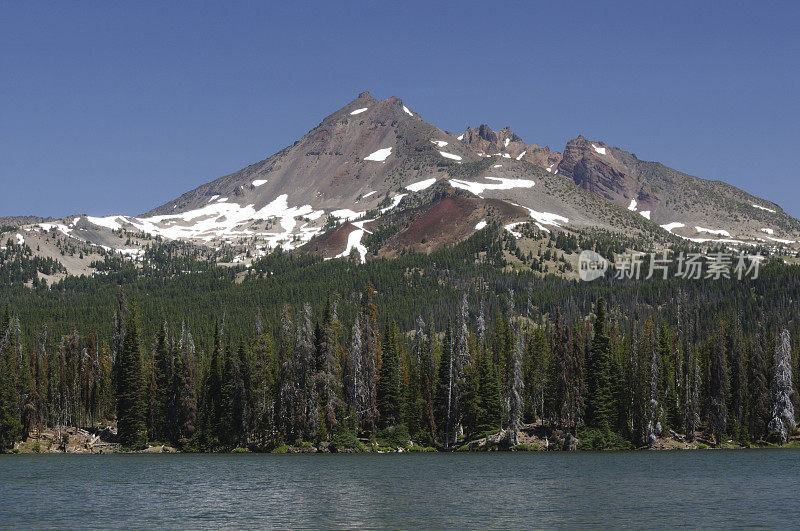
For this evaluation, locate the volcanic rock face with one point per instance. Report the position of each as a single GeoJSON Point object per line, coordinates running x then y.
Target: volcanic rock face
{"type": "Point", "coordinates": [507, 144]}
{"type": "Point", "coordinates": [592, 167]}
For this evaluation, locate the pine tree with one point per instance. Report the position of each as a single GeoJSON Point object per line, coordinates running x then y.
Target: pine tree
{"type": "Point", "coordinates": [10, 425]}
{"type": "Point", "coordinates": [758, 382]}
{"type": "Point", "coordinates": [736, 359]}
{"type": "Point", "coordinates": [370, 359]}
{"type": "Point", "coordinates": [241, 397]}
{"type": "Point", "coordinates": [162, 392]}
{"type": "Point", "coordinates": [557, 395]}
{"type": "Point", "coordinates": [444, 389]}
{"type": "Point", "coordinates": [131, 404]}
{"type": "Point", "coordinates": [515, 385]}
{"type": "Point", "coordinates": [490, 394]}
{"type": "Point", "coordinates": [718, 387]}
{"type": "Point", "coordinates": [329, 377]}
{"type": "Point", "coordinates": [286, 386]}
{"type": "Point", "coordinates": [389, 397]}
{"type": "Point", "coordinates": [599, 399]}
{"type": "Point", "coordinates": [782, 423]}
{"type": "Point", "coordinates": [184, 388]}
{"type": "Point", "coordinates": [654, 407]}
{"type": "Point", "coordinates": [264, 381]}
{"type": "Point", "coordinates": [305, 412]}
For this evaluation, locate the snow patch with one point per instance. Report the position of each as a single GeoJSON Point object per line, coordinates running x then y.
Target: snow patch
{"type": "Point", "coordinates": [502, 184]}
{"type": "Point", "coordinates": [669, 227]}
{"type": "Point", "coordinates": [449, 155]}
{"type": "Point", "coordinates": [716, 232]}
{"type": "Point", "coordinates": [20, 239]}
{"type": "Point", "coordinates": [768, 231]}
{"type": "Point", "coordinates": [780, 240]}
{"type": "Point", "coordinates": [764, 208]}
{"type": "Point", "coordinates": [380, 155]}
{"type": "Point", "coordinates": [460, 137]}
{"type": "Point", "coordinates": [421, 185]}
{"type": "Point", "coordinates": [369, 194]}
{"type": "Point", "coordinates": [359, 111]}
{"type": "Point", "coordinates": [632, 206]}
{"type": "Point", "coordinates": [440, 143]}
{"type": "Point", "coordinates": [645, 213]}
{"type": "Point", "coordinates": [550, 168]}
{"type": "Point", "coordinates": [497, 166]}
{"type": "Point", "coordinates": [407, 111]}
{"type": "Point", "coordinates": [519, 157]}
{"type": "Point", "coordinates": [600, 150]}
{"type": "Point", "coordinates": [259, 182]}
{"type": "Point", "coordinates": [480, 225]}
{"type": "Point", "coordinates": [505, 144]}
{"type": "Point", "coordinates": [109, 222]}
{"type": "Point", "coordinates": [354, 242]}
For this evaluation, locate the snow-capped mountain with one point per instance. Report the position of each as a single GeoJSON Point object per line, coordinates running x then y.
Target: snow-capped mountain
{"type": "Point", "coordinates": [374, 163]}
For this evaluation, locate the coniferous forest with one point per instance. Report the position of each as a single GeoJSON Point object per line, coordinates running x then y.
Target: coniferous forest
{"type": "Point", "coordinates": [447, 351]}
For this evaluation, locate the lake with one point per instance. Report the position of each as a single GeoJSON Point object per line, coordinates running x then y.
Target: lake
{"type": "Point", "coordinates": [498, 490]}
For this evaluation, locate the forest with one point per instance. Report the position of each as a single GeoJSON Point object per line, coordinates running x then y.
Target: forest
{"type": "Point", "coordinates": [445, 351]}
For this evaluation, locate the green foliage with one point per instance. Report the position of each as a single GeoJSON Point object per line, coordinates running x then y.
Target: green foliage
{"type": "Point", "coordinates": [593, 439]}
{"type": "Point", "coordinates": [345, 439]}
{"type": "Point", "coordinates": [394, 436]}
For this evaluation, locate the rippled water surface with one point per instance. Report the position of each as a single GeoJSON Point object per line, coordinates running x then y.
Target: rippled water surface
{"type": "Point", "coordinates": [638, 489]}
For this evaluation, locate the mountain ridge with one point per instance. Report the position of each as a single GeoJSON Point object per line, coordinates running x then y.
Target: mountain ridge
{"type": "Point", "coordinates": [368, 161]}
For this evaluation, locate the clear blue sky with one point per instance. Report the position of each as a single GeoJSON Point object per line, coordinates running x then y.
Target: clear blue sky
{"type": "Point", "coordinates": [113, 107]}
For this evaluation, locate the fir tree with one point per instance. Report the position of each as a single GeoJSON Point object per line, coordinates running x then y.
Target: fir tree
{"type": "Point", "coordinates": [389, 399]}
{"type": "Point", "coordinates": [599, 401]}
{"type": "Point", "coordinates": [758, 385]}
{"type": "Point", "coordinates": [131, 405]}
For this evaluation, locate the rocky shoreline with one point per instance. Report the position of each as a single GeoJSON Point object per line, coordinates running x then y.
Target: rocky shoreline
{"type": "Point", "coordinates": [531, 438]}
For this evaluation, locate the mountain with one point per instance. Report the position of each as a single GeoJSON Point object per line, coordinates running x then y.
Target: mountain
{"type": "Point", "coordinates": [374, 179]}
{"type": "Point", "coordinates": [689, 206]}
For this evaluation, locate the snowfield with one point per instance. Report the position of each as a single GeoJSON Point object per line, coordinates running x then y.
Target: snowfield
{"type": "Point", "coordinates": [421, 185]}
{"type": "Point", "coordinates": [354, 242]}
{"type": "Point", "coordinates": [501, 184]}
{"type": "Point", "coordinates": [449, 155]}
{"type": "Point", "coordinates": [379, 156]}
{"type": "Point", "coordinates": [669, 227]}
{"type": "Point", "coordinates": [716, 232]}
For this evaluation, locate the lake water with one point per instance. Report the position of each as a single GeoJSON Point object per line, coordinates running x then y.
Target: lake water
{"type": "Point", "coordinates": [500, 490]}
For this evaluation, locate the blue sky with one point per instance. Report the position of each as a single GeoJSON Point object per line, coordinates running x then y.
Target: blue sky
{"type": "Point", "coordinates": [114, 107]}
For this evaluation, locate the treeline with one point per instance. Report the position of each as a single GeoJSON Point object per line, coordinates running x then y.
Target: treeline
{"type": "Point", "coordinates": [307, 378]}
